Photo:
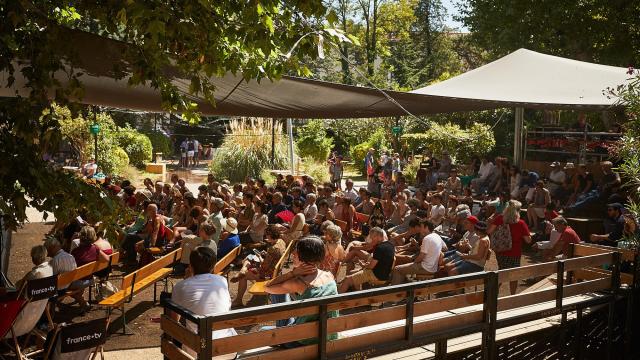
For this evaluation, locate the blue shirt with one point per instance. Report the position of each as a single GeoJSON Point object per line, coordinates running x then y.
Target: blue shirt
{"type": "Point", "coordinates": [225, 246]}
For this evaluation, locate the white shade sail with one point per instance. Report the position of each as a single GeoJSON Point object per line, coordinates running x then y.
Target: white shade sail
{"type": "Point", "coordinates": [529, 79]}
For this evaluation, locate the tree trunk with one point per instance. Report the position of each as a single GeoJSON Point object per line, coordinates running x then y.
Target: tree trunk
{"type": "Point", "coordinates": [346, 72]}
{"type": "Point", "coordinates": [372, 60]}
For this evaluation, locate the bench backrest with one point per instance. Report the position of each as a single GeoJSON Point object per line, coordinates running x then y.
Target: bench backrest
{"type": "Point", "coordinates": [86, 270]}
{"type": "Point", "coordinates": [150, 268]}
{"type": "Point", "coordinates": [278, 268]}
{"type": "Point", "coordinates": [227, 260]}
{"type": "Point", "coordinates": [343, 226]}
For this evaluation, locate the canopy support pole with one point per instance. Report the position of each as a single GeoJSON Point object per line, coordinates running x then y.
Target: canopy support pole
{"type": "Point", "coordinates": [291, 155]}
{"type": "Point", "coordinates": [517, 136]}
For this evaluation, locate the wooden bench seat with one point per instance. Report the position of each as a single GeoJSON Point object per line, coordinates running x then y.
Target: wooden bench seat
{"type": "Point", "coordinates": [258, 287]}
{"type": "Point", "coordinates": [139, 280]}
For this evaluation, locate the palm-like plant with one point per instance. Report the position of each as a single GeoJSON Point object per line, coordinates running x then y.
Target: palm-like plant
{"type": "Point", "coordinates": [246, 150]}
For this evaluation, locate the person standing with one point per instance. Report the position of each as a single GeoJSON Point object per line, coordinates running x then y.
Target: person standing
{"type": "Point", "coordinates": [196, 152]}
{"type": "Point", "coordinates": [190, 152]}
{"type": "Point", "coordinates": [519, 232]}
{"type": "Point", "coordinates": [336, 169]}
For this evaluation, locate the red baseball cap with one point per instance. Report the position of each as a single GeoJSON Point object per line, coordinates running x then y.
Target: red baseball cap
{"type": "Point", "coordinates": [472, 219]}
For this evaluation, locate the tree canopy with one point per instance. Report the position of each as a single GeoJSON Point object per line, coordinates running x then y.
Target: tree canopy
{"type": "Point", "coordinates": [198, 38]}
{"type": "Point", "coordinates": [602, 31]}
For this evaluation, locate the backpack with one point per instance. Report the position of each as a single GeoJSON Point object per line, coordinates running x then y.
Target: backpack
{"type": "Point", "coordinates": [501, 239]}
{"type": "Point", "coordinates": [190, 146]}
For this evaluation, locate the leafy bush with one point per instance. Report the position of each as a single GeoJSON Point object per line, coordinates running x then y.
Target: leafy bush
{"type": "Point", "coordinates": [378, 140]}
{"type": "Point", "coordinates": [411, 170]}
{"type": "Point", "coordinates": [313, 141]}
{"type": "Point", "coordinates": [461, 144]}
{"type": "Point", "coordinates": [160, 143]}
{"type": "Point", "coordinates": [318, 170]}
{"type": "Point", "coordinates": [246, 150]}
{"type": "Point", "coordinates": [136, 145]}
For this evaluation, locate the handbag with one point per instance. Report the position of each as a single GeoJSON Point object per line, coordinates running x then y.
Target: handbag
{"type": "Point", "coordinates": [501, 239]}
{"type": "Point", "coordinates": [105, 289]}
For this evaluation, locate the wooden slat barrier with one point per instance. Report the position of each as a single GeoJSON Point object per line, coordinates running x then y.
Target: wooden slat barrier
{"type": "Point", "coordinates": [588, 261]}
{"type": "Point", "coordinates": [383, 330]}
{"type": "Point", "coordinates": [179, 332]}
{"type": "Point", "coordinates": [527, 272]}
{"type": "Point", "coordinates": [171, 351]}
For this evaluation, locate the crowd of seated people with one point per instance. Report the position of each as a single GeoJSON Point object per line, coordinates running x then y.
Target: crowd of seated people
{"type": "Point", "coordinates": [349, 239]}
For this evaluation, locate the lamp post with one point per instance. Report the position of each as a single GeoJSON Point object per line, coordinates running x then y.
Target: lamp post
{"type": "Point", "coordinates": [95, 129]}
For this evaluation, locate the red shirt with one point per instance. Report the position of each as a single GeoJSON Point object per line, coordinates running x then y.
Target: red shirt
{"type": "Point", "coordinates": [550, 215]}
{"type": "Point", "coordinates": [518, 231]}
{"type": "Point", "coordinates": [568, 236]}
{"type": "Point", "coordinates": [85, 254]}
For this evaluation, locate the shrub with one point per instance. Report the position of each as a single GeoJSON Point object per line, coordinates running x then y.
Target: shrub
{"type": "Point", "coordinates": [411, 170]}
{"type": "Point", "coordinates": [378, 141]}
{"type": "Point", "coordinates": [318, 170]}
{"type": "Point", "coordinates": [313, 141]}
{"type": "Point", "coordinates": [160, 143]}
{"type": "Point", "coordinates": [246, 150]}
{"type": "Point", "coordinates": [461, 144]}
{"type": "Point", "coordinates": [136, 145]}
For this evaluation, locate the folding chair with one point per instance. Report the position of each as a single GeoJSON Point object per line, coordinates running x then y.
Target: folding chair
{"type": "Point", "coordinates": [34, 296]}
{"type": "Point", "coordinates": [79, 341]}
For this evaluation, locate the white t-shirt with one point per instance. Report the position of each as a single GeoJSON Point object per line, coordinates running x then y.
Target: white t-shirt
{"type": "Point", "coordinates": [206, 295]}
{"type": "Point", "coordinates": [437, 210]}
{"type": "Point", "coordinates": [432, 248]}
{"type": "Point", "coordinates": [557, 176]}
{"type": "Point", "coordinates": [485, 169]}
{"type": "Point", "coordinates": [352, 195]}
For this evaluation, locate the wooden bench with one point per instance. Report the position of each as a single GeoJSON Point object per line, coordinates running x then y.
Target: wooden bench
{"type": "Point", "coordinates": [84, 271]}
{"type": "Point", "coordinates": [258, 287]}
{"type": "Point", "coordinates": [413, 322]}
{"type": "Point", "coordinates": [139, 280]}
{"type": "Point", "coordinates": [222, 265]}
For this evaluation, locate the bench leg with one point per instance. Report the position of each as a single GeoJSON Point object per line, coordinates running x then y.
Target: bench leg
{"type": "Point", "coordinates": [154, 292]}
{"type": "Point", "coordinates": [124, 322]}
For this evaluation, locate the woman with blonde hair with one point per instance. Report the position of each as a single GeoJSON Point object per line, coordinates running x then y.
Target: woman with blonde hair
{"type": "Point", "coordinates": [334, 252]}
{"type": "Point", "coordinates": [519, 232]}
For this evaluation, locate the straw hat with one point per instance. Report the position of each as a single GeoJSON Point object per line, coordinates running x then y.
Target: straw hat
{"type": "Point", "coordinates": [229, 225]}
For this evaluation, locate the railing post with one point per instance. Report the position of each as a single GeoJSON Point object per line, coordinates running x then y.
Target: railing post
{"type": "Point", "coordinates": [628, 327]}
{"type": "Point", "coordinates": [570, 255]}
{"type": "Point", "coordinates": [205, 326]}
{"type": "Point", "coordinates": [322, 338]}
{"type": "Point", "coordinates": [615, 287]}
{"type": "Point", "coordinates": [559, 299]}
{"type": "Point", "coordinates": [578, 334]}
{"type": "Point", "coordinates": [408, 325]}
{"type": "Point", "coordinates": [490, 316]}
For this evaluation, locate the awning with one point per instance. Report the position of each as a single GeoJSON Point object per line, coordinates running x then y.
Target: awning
{"type": "Point", "coordinates": [529, 79]}
{"type": "Point", "coordinates": [524, 78]}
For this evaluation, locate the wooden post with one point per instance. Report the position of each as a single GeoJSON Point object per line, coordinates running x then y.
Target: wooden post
{"type": "Point", "coordinates": [322, 343]}
{"type": "Point", "coordinates": [490, 316]}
